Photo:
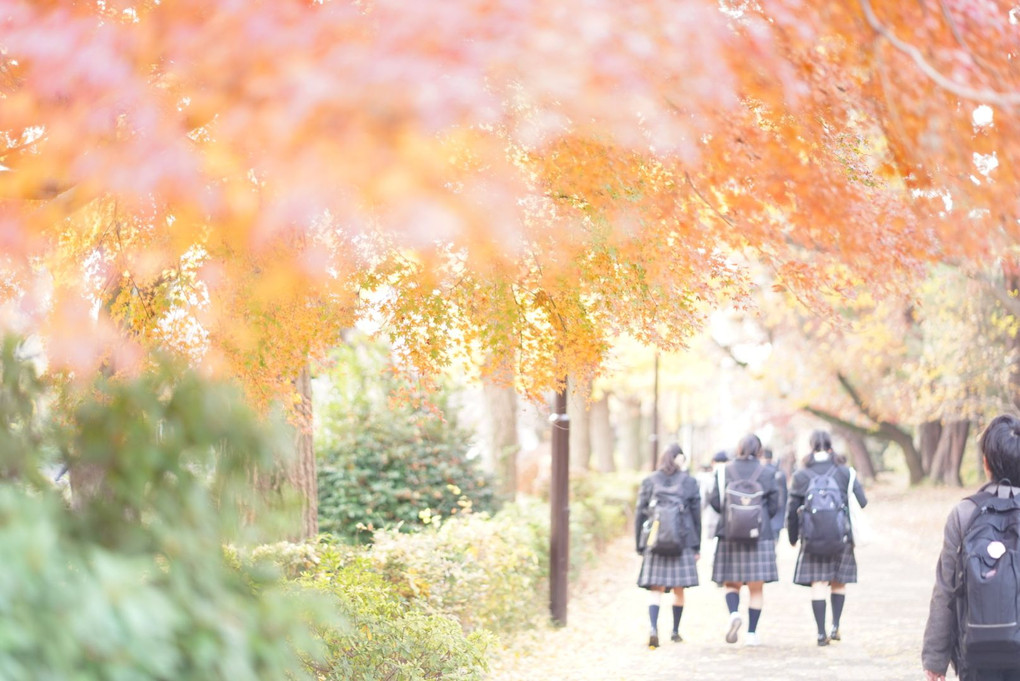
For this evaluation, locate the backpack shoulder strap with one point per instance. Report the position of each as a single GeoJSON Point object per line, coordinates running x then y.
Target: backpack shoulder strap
{"type": "Point", "coordinates": [757, 472]}
{"type": "Point", "coordinates": [969, 513]}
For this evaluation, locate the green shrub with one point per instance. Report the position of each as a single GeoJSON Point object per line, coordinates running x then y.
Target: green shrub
{"type": "Point", "coordinates": [133, 583]}
{"type": "Point", "coordinates": [384, 461]}
{"type": "Point", "coordinates": [483, 571]}
{"type": "Point", "coordinates": [384, 636]}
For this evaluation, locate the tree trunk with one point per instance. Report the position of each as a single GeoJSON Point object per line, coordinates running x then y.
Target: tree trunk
{"type": "Point", "coordinates": [502, 444]}
{"type": "Point", "coordinates": [1011, 276]}
{"type": "Point", "coordinates": [931, 432]}
{"type": "Point", "coordinates": [580, 430]}
{"type": "Point", "coordinates": [301, 473]}
{"type": "Point", "coordinates": [630, 434]}
{"type": "Point", "coordinates": [910, 454]}
{"type": "Point", "coordinates": [291, 488]}
{"type": "Point", "coordinates": [949, 453]}
{"type": "Point", "coordinates": [602, 436]}
{"type": "Point", "coordinates": [859, 456]}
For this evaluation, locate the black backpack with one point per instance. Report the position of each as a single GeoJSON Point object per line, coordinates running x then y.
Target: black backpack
{"type": "Point", "coordinates": [989, 593]}
{"type": "Point", "coordinates": [742, 507]}
{"type": "Point", "coordinates": [824, 517]}
{"type": "Point", "coordinates": [669, 528]}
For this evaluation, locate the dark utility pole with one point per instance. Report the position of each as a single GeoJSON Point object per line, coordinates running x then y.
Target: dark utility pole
{"type": "Point", "coordinates": [559, 503]}
{"type": "Point", "coordinates": [655, 416]}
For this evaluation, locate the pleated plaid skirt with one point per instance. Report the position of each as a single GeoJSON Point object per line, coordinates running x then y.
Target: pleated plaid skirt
{"type": "Point", "coordinates": [738, 561]}
{"type": "Point", "coordinates": [668, 571]}
{"type": "Point", "coordinates": [811, 567]}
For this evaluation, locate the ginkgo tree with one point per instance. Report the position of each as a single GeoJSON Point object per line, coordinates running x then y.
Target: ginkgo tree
{"type": "Point", "coordinates": [232, 179]}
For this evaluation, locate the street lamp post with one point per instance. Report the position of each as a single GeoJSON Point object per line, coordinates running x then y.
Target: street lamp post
{"type": "Point", "coordinates": [559, 503]}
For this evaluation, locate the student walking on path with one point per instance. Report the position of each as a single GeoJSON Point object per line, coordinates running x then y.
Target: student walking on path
{"type": "Point", "coordinates": [972, 619]}
{"type": "Point", "coordinates": [817, 514]}
{"type": "Point", "coordinates": [745, 553]}
{"type": "Point", "coordinates": [669, 486]}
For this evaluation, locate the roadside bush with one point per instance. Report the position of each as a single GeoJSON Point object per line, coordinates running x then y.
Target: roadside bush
{"type": "Point", "coordinates": [383, 635]}
{"type": "Point", "coordinates": [388, 459]}
{"type": "Point", "coordinates": [483, 571]}
{"type": "Point", "coordinates": [133, 583]}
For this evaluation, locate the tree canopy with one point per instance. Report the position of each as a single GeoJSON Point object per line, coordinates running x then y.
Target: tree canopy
{"type": "Point", "coordinates": [242, 180]}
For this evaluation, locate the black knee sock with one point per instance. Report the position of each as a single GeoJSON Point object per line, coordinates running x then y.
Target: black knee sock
{"type": "Point", "coordinates": [752, 619]}
{"type": "Point", "coordinates": [819, 609]}
{"type": "Point", "coordinates": [653, 615]}
{"type": "Point", "coordinates": [837, 608]}
{"type": "Point", "coordinates": [678, 612]}
{"type": "Point", "coordinates": [732, 600]}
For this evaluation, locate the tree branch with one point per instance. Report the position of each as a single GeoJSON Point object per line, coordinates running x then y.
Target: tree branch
{"type": "Point", "coordinates": [983, 96]}
{"type": "Point", "coordinates": [842, 423]}
{"type": "Point", "coordinates": [715, 210]}
{"type": "Point", "coordinates": [856, 398]}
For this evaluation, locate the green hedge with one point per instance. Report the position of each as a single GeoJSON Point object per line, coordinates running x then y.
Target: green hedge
{"type": "Point", "coordinates": [483, 571]}
{"type": "Point", "coordinates": [386, 637]}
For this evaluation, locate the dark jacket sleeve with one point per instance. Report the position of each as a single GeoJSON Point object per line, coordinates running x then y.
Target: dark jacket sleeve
{"type": "Point", "coordinates": [771, 493]}
{"type": "Point", "coordinates": [940, 635]}
{"type": "Point", "coordinates": [694, 506]}
{"type": "Point", "coordinates": [641, 510]}
{"type": "Point", "coordinates": [859, 492]}
{"type": "Point", "coordinates": [798, 490]}
{"type": "Point", "coordinates": [714, 498]}
{"type": "Point", "coordinates": [779, 516]}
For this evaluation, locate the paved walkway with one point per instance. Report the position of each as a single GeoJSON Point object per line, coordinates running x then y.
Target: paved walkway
{"type": "Point", "coordinates": [606, 633]}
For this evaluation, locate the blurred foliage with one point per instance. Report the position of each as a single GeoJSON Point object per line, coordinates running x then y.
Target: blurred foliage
{"type": "Point", "coordinates": [483, 571]}
{"type": "Point", "coordinates": [386, 636]}
{"type": "Point", "coordinates": [391, 454]}
{"type": "Point", "coordinates": [132, 583]}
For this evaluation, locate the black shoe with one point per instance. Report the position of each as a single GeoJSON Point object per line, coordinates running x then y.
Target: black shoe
{"type": "Point", "coordinates": [834, 634]}
{"type": "Point", "coordinates": [676, 638]}
{"type": "Point", "coordinates": [653, 639]}
{"type": "Point", "coordinates": [823, 640]}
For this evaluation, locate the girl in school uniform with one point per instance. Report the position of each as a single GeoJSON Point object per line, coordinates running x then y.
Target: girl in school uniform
{"type": "Point", "coordinates": [660, 574]}
{"type": "Point", "coordinates": [751, 563]}
{"type": "Point", "coordinates": [827, 575]}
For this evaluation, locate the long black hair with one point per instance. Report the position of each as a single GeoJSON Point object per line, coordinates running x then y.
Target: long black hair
{"type": "Point", "coordinates": [820, 441]}
{"type": "Point", "coordinates": [1000, 446]}
{"type": "Point", "coordinates": [749, 447]}
{"type": "Point", "coordinates": [667, 461]}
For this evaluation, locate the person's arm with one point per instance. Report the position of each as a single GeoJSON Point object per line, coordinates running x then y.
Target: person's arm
{"type": "Point", "coordinates": [772, 497]}
{"type": "Point", "coordinates": [940, 633]}
{"type": "Point", "coordinates": [694, 504]}
{"type": "Point", "coordinates": [784, 493]}
{"type": "Point", "coordinates": [713, 497]}
{"type": "Point", "coordinates": [859, 492]}
{"type": "Point", "coordinates": [641, 510]}
{"type": "Point", "coordinates": [798, 491]}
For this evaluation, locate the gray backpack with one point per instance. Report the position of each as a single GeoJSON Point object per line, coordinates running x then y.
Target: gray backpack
{"type": "Point", "coordinates": [743, 507]}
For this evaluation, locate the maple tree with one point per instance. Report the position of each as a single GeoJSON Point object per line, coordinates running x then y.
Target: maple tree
{"type": "Point", "coordinates": [232, 178]}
